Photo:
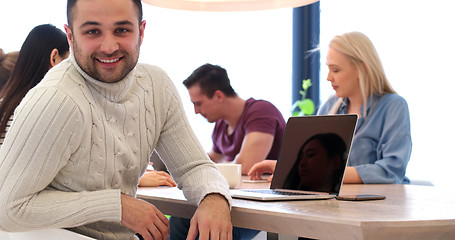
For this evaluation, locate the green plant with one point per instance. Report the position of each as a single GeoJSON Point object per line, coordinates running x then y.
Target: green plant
{"type": "Point", "coordinates": [304, 106]}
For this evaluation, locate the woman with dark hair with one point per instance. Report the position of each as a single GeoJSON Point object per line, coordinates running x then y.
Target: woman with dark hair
{"type": "Point", "coordinates": [44, 47]}
{"type": "Point", "coordinates": [321, 159]}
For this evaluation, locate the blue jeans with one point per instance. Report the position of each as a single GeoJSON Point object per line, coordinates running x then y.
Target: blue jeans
{"type": "Point", "coordinates": [179, 230]}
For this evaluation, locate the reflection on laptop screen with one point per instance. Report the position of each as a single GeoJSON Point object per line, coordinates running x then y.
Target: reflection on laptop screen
{"type": "Point", "coordinates": [314, 153]}
{"type": "Point", "coordinates": [319, 164]}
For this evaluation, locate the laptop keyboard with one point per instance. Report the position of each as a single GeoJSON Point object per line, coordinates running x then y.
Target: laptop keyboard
{"type": "Point", "coordinates": [277, 192]}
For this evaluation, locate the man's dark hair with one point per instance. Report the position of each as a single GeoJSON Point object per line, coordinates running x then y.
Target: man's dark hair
{"type": "Point", "coordinates": [70, 5]}
{"type": "Point", "coordinates": [210, 79]}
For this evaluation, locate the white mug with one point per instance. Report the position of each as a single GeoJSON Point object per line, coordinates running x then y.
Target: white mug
{"type": "Point", "coordinates": [232, 172]}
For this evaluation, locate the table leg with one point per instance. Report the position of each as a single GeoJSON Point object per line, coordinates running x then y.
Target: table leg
{"type": "Point", "coordinates": [272, 236]}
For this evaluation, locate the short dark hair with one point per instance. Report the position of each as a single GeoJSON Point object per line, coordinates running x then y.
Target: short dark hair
{"type": "Point", "coordinates": [210, 79]}
{"type": "Point", "coordinates": [70, 5]}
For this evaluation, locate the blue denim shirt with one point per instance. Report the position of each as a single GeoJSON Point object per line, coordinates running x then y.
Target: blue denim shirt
{"type": "Point", "coordinates": [382, 144]}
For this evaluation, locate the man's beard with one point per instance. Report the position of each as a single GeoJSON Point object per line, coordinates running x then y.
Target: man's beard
{"type": "Point", "coordinates": [89, 64]}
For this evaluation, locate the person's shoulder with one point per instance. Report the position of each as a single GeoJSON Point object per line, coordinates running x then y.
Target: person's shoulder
{"type": "Point", "coordinates": [332, 99]}
{"type": "Point", "coordinates": [262, 109]}
{"type": "Point", "coordinates": [392, 99]}
{"type": "Point", "coordinates": [327, 105]}
{"type": "Point", "coordinates": [65, 81]}
{"type": "Point", "coordinates": [152, 71]}
{"type": "Point", "coordinates": [149, 67]}
{"type": "Point", "coordinates": [62, 74]}
{"type": "Point", "coordinates": [152, 75]}
{"type": "Point", "coordinates": [393, 103]}
{"type": "Point", "coordinates": [59, 87]}
{"type": "Point", "coordinates": [260, 103]}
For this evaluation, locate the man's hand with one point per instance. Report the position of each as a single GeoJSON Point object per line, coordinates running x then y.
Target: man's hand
{"type": "Point", "coordinates": [144, 218]}
{"type": "Point", "coordinates": [156, 178]}
{"type": "Point", "coordinates": [212, 219]}
{"type": "Point", "coordinates": [266, 166]}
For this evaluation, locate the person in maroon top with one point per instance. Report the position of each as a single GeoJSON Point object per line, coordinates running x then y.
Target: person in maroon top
{"type": "Point", "coordinates": [246, 131]}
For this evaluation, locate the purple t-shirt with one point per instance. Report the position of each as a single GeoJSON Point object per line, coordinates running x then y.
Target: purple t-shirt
{"type": "Point", "coordinates": [257, 116]}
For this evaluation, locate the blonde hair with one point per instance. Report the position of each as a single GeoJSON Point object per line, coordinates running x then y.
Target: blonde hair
{"type": "Point", "coordinates": [360, 50]}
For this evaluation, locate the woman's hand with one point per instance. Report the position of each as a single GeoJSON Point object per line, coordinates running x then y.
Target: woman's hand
{"type": "Point", "coordinates": [156, 178]}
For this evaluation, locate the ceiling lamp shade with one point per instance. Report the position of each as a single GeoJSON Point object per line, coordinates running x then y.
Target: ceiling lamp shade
{"type": "Point", "coordinates": [227, 5]}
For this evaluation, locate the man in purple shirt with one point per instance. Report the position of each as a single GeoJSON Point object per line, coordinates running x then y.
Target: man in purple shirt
{"type": "Point", "coordinates": [246, 131]}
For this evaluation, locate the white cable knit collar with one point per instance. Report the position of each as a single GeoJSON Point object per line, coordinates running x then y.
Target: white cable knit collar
{"type": "Point", "coordinates": [113, 92]}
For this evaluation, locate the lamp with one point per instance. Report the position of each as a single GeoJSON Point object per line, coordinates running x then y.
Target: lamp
{"type": "Point", "coordinates": [227, 5]}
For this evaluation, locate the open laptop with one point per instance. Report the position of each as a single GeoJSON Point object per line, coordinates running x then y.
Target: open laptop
{"type": "Point", "coordinates": [312, 160]}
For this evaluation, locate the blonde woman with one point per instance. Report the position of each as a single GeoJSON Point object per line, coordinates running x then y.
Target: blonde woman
{"type": "Point", "coordinates": [382, 144]}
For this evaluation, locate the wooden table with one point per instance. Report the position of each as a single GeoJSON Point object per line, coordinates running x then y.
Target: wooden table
{"type": "Point", "coordinates": [408, 212]}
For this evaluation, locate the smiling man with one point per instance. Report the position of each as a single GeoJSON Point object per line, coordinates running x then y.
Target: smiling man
{"type": "Point", "coordinates": [81, 139]}
{"type": "Point", "coordinates": [107, 51]}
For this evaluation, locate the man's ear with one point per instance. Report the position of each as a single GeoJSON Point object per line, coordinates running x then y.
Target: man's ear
{"type": "Point", "coordinates": [142, 30]}
{"type": "Point", "coordinates": [219, 95]}
{"type": "Point", "coordinates": [54, 58]}
{"type": "Point", "coordinates": [69, 35]}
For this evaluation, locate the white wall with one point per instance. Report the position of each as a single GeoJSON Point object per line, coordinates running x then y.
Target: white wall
{"type": "Point", "coordinates": [254, 47]}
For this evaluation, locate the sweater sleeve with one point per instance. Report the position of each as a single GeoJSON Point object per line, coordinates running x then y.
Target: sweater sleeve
{"type": "Point", "coordinates": [181, 151]}
{"type": "Point", "coordinates": [45, 133]}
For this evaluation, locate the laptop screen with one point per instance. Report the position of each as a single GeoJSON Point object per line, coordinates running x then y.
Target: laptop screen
{"type": "Point", "coordinates": [314, 153]}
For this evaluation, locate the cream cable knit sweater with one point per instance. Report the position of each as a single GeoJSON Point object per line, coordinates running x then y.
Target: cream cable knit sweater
{"type": "Point", "coordinates": [76, 143]}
